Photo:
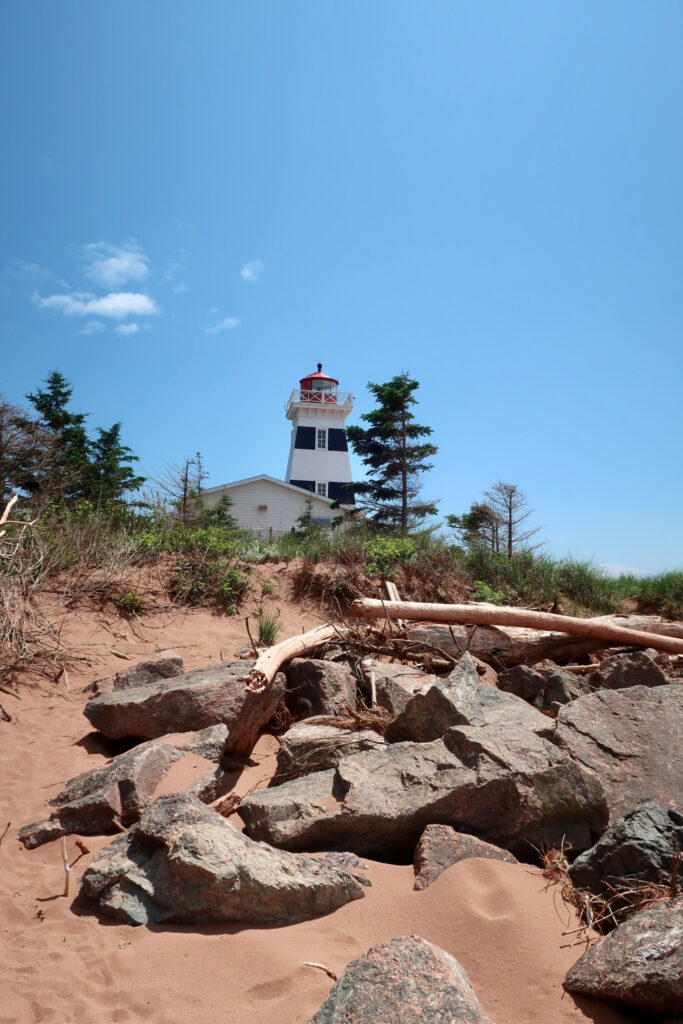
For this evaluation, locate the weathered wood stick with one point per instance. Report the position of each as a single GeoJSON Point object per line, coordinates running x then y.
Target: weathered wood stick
{"type": "Point", "coordinates": [492, 615]}
{"type": "Point", "coordinates": [67, 869]}
{"type": "Point", "coordinates": [266, 666]}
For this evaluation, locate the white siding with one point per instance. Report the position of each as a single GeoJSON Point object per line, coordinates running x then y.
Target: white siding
{"type": "Point", "coordinates": [318, 463]}
{"type": "Point", "coordinates": [283, 506]}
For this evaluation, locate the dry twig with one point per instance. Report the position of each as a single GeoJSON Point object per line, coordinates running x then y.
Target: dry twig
{"type": "Point", "coordinates": [321, 967]}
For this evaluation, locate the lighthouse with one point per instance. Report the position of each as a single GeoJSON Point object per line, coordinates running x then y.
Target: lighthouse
{"type": "Point", "coordinates": [317, 469]}
{"type": "Point", "coordinates": [319, 455]}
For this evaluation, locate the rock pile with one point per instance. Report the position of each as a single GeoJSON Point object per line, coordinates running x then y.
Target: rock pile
{"type": "Point", "coordinates": [467, 764]}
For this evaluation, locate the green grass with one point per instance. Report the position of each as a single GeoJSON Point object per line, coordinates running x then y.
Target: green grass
{"type": "Point", "coordinates": [211, 563]}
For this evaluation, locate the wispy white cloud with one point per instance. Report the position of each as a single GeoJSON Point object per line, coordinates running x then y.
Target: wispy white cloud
{"type": "Point", "coordinates": [229, 324]}
{"type": "Point", "coordinates": [115, 305]}
{"type": "Point", "coordinates": [180, 288]}
{"type": "Point", "coordinates": [21, 268]}
{"type": "Point", "coordinates": [92, 327]}
{"type": "Point", "coordinates": [252, 271]}
{"type": "Point", "coordinates": [113, 265]}
{"type": "Point", "coordinates": [127, 329]}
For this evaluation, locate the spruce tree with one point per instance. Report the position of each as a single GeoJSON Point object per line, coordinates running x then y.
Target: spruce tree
{"type": "Point", "coordinates": [395, 455]}
{"type": "Point", "coordinates": [65, 476]}
{"type": "Point", "coordinates": [71, 465]}
{"type": "Point", "coordinates": [109, 477]}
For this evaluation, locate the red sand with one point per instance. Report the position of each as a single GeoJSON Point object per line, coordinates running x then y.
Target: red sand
{"type": "Point", "coordinates": [500, 920]}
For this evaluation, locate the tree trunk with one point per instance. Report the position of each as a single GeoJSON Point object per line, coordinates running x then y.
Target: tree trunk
{"type": "Point", "coordinates": [602, 632]}
{"type": "Point", "coordinates": [264, 670]}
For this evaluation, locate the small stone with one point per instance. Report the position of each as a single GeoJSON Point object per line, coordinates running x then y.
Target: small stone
{"type": "Point", "coordinates": [440, 847]}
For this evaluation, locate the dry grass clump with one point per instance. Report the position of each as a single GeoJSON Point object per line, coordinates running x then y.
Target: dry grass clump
{"type": "Point", "coordinates": [357, 565]}
{"type": "Point", "coordinates": [604, 911]}
{"type": "Point", "coordinates": [376, 718]}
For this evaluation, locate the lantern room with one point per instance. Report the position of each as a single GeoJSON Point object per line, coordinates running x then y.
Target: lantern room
{"type": "Point", "coordinates": [319, 388]}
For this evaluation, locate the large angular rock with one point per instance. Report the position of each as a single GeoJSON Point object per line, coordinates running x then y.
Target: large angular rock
{"type": "Point", "coordinates": [318, 687]}
{"type": "Point", "coordinates": [639, 964]}
{"type": "Point", "coordinates": [440, 847]}
{"type": "Point", "coordinates": [561, 686]}
{"type": "Point", "coordinates": [102, 800]}
{"type": "Point", "coordinates": [460, 699]}
{"type": "Point", "coordinates": [396, 685]}
{"type": "Point", "coordinates": [183, 862]}
{"type": "Point", "coordinates": [503, 784]}
{"type": "Point", "coordinates": [523, 681]}
{"type": "Point", "coordinates": [310, 747]}
{"type": "Point", "coordinates": [195, 700]}
{"type": "Point", "coordinates": [637, 668]}
{"type": "Point", "coordinates": [631, 739]}
{"type": "Point", "coordinates": [164, 665]}
{"type": "Point", "coordinates": [545, 685]}
{"type": "Point", "coordinates": [641, 846]}
{"type": "Point", "coordinates": [406, 979]}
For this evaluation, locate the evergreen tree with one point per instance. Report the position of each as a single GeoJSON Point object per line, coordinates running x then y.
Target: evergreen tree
{"type": "Point", "coordinates": [393, 451]}
{"type": "Point", "coordinates": [65, 475]}
{"type": "Point", "coordinates": [108, 476]}
{"type": "Point", "coordinates": [479, 527]}
{"type": "Point", "coordinates": [64, 462]}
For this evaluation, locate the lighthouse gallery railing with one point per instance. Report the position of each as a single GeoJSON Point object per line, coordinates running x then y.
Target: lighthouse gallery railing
{"type": "Point", "coordinates": [301, 397]}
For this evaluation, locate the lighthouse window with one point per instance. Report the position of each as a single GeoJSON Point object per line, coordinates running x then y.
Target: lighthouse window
{"type": "Point", "coordinates": [321, 439]}
{"type": "Point", "coordinates": [321, 489]}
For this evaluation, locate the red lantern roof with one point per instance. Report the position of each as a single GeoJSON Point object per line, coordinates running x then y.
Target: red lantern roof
{"type": "Point", "coordinates": [306, 381]}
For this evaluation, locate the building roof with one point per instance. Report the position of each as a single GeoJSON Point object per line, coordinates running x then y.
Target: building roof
{"type": "Point", "coordinates": [271, 480]}
{"type": "Point", "coordinates": [319, 375]}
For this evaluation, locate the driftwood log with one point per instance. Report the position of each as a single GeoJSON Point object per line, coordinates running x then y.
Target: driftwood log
{"type": "Point", "coordinates": [516, 635]}
{"type": "Point", "coordinates": [266, 666]}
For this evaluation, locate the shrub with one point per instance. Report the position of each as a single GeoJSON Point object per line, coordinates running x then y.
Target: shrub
{"type": "Point", "coordinates": [130, 603]}
{"type": "Point", "coordinates": [483, 592]}
{"type": "Point", "coordinates": [268, 626]}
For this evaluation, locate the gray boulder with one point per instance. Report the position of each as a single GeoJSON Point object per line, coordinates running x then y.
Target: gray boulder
{"type": "Point", "coordinates": [183, 862]}
{"type": "Point", "coordinates": [440, 847]}
{"type": "Point", "coordinates": [503, 784]}
{"type": "Point", "coordinates": [195, 700]}
{"type": "Point", "coordinates": [545, 685]}
{"type": "Point", "coordinates": [396, 685]}
{"type": "Point", "coordinates": [636, 668]}
{"type": "Point", "coordinates": [631, 740]}
{"type": "Point", "coordinates": [640, 846]}
{"type": "Point", "coordinates": [460, 699]}
{"type": "Point", "coordinates": [523, 681]}
{"type": "Point", "coordinates": [406, 979]}
{"type": "Point", "coordinates": [639, 964]}
{"type": "Point", "coordinates": [163, 665]}
{"type": "Point", "coordinates": [561, 686]}
{"type": "Point", "coordinates": [104, 799]}
{"type": "Point", "coordinates": [311, 747]}
{"type": "Point", "coordinates": [318, 687]}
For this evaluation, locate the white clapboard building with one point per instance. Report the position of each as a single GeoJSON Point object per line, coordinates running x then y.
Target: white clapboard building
{"type": "Point", "coordinates": [317, 468]}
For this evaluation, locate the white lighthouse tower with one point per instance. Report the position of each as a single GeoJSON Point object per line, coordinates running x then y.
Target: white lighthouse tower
{"type": "Point", "coordinates": [318, 455]}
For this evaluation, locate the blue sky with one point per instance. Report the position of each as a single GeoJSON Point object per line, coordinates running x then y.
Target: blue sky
{"type": "Point", "coordinates": [202, 200]}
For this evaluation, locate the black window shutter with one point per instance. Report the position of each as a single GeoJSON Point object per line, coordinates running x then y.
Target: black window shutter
{"type": "Point", "coordinates": [336, 440]}
{"type": "Point", "coordinates": [305, 437]}
{"type": "Point", "coordinates": [308, 485]}
{"type": "Point", "coordinates": [338, 492]}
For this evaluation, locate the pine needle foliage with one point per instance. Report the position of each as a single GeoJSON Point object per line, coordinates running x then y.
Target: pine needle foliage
{"type": "Point", "coordinates": [395, 453]}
